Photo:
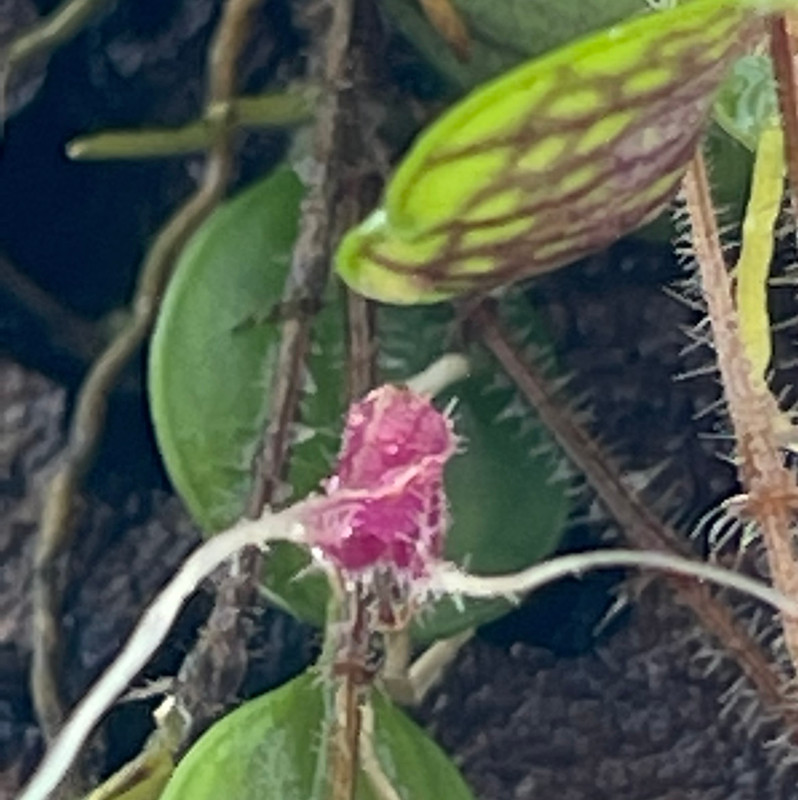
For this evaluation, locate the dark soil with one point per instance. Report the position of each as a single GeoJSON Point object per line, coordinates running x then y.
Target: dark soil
{"type": "Point", "coordinates": [540, 705]}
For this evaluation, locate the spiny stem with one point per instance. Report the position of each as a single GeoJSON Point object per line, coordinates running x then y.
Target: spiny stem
{"type": "Point", "coordinates": [770, 487]}
{"type": "Point", "coordinates": [195, 695]}
{"type": "Point", "coordinates": [643, 528]}
{"type": "Point", "coordinates": [309, 271]}
{"type": "Point", "coordinates": [350, 696]}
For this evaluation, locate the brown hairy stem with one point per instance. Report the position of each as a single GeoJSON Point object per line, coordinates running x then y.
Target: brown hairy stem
{"type": "Point", "coordinates": [640, 526]}
{"type": "Point", "coordinates": [352, 684]}
{"type": "Point", "coordinates": [769, 485]}
{"type": "Point", "coordinates": [310, 264]}
{"type": "Point", "coordinates": [338, 190]}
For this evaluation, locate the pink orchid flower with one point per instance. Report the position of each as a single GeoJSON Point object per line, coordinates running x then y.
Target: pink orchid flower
{"type": "Point", "coordinates": [384, 509]}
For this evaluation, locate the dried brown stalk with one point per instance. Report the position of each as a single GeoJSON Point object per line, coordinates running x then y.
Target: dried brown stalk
{"type": "Point", "coordinates": [54, 30]}
{"type": "Point", "coordinates": [339, 188]}
{"type": "Point", "coordinates": [310, 264]}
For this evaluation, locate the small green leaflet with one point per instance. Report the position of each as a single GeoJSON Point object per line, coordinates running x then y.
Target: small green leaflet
{"type": "Point", "coordinates": [552, 161]}
{"type": "Point", "coordinates": [269, 749]}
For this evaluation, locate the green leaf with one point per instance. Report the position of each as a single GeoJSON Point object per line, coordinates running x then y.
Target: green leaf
{"type": "Point", "coordinates": [269, 749]}
{"type": "Point", "coordinates": [506, 513]}
{"type": "Point", "coordinates": [213, 354]}
{"type": "Point", "coordinates": [747, 102]}
{"type": "Point", "coordinates": [416, 766]}
{"type": "Point", "coordinates": [550, 162]}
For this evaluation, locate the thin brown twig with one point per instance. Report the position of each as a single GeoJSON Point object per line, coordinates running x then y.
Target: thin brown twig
{"type": "Point", "coordinates": [641, 528]}
{"type": "Point", "coordinates": [307, 281]}
{"type": "Point", "coordinates": [361, 358]}
{"type": "Point", "coordinates": [43, 37]}
{"type": "Point", "coordinates": [362, 174]}
{"type": "Point", "coordinates": [212, 672]}
{"type": "Point", "coordinates": [310, 263]}
{"type": "Point", "coordinates": [222, 666]}
{"type": "Point", "coordinates": [57, 526]}
{"type": "Point", "coordinates": [352, 685]}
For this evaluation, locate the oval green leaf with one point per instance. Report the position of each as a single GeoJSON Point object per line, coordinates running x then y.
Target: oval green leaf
{"type": "Point", "coordinates": [214, 350]}
{"type": "Point", "coordinates": [506, 512]}
{"type": "Point", "coordinates": [270, 749]}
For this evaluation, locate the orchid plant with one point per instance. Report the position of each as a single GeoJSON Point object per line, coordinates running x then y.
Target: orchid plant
{"type": "Point", "coordinates": [551, 161]}
{"type": "Point", "coordinates": [378, 532]}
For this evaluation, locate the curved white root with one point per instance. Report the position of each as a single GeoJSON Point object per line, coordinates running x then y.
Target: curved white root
{"type": "Point", "coordinates": [449, 580]}
{"type": "Point", "coordinates": [145, 639]}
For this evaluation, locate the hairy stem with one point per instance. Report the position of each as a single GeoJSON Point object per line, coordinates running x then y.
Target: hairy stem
{"type": "Point", "coordinates": [770, 487]}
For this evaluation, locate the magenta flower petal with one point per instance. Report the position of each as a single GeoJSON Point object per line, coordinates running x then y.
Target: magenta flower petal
{"type": "Point", "coordinates": [385, 505]}
{"type": "Point", "coordinates": [391, 429]}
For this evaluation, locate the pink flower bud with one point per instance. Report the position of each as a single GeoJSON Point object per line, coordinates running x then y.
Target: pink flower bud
{"type": "Point", "coordinates": [385, 507]}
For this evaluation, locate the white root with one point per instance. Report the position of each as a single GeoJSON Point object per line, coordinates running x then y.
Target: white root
{"type": "Point", "coordinates": [448, 579]}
